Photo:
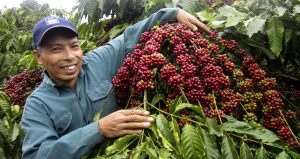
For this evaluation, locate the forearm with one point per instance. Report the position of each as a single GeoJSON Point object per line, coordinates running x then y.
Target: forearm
{"type": "Point", "coordinates": [132, 34]}
{"type": "Point", "coordinates": [43, 144]}
{"type": "Point", "coordinates": [112, 54]}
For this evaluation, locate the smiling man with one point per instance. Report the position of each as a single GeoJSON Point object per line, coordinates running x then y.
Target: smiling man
{"type": "Point", "coordinates": [60, 54]}
{"type": "Point", "coordinates": [58, 115]}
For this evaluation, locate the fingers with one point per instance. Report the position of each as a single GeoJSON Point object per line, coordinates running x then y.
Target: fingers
{"type": "Point", "coordinates": [134, 112]}
{"type": "Point", "coordinates": [127, 132]}
{"type": "Point", "coordinates": [135, 125]}
{"type": "Point", "coordinates": [124, 122]}
{"type": "Point", "coordinates": [137, 118]}
{"type": "Point", "coordinates": [199, 24]}
{"type": "Point", "coordinates": [192, 22]}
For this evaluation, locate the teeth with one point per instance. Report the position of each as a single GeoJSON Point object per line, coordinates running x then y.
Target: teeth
{"type": "Point", "coordinates": [69, 68]}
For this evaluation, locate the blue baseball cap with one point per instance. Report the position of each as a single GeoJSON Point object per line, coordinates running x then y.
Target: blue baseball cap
{"type": "Point", "coordinates": [48, 23]}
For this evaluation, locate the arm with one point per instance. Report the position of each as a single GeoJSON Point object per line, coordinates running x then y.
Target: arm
{"type": "Point", "coordinates": [43, 141]}
{"type": "Point", "coordinates": [111, 55]}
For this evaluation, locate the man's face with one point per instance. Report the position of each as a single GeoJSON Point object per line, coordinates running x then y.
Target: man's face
{"type": "Point", "coordinates": [61, 56]}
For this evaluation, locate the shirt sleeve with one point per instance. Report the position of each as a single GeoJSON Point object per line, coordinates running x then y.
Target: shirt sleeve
{"type": "Point", "coordinates": [42, 140]}
{"type": "Point", "coordinates": [111, 55]}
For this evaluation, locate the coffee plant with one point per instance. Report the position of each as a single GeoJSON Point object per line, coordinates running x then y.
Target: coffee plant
{"type": "Point", "coordinates": [10, 131]}
{"type": "Point", "coordinates": [209, 98]}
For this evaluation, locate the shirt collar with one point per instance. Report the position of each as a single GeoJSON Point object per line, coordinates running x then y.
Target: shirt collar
{"type": "Point", "coordinates": [50, 83]}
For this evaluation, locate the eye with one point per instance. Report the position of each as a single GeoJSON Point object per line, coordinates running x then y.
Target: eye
{"type": "Point", "coordinates": [55, 49]}
{"type": "Point", "coordinates": [75, 46]}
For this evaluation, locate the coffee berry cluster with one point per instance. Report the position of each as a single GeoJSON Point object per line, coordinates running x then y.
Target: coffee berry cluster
{"type": "Point", "coordinates": [21, 85]}
{"type": "Point", "coordinates": [174, 61]}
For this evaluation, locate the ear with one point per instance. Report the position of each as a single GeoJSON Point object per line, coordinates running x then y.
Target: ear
{"type": "Point", "coordinates": [38, 57]}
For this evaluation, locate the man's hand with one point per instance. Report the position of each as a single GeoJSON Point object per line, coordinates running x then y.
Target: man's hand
{"type": "Point", "coordinates": [191, 21]}
{"type": "Point", "coordinates": [124, 122]}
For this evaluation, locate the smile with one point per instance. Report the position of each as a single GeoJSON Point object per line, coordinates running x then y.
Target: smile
{"type": "Point", "coordinates": [72, 67]}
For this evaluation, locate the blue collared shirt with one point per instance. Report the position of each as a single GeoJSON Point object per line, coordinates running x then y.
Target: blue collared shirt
{"type": "Point", "coordinates": [58, 121]}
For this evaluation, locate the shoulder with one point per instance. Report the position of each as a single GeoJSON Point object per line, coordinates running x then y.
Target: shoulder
{"type": "Point", "coordinates": [35, 101]}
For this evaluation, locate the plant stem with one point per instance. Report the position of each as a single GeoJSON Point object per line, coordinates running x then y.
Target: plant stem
{"type": "Point", "coordinates": [128, 101]}
{"type": "Point", "coordinates": [184, 95]}
{"type": "Point", "coordinates": [215, 103]}
{"type": "Point", "coordinates": [123, 148]}
{"type": "Point", "coordinates": [145, 100]}
{"type": "Point", "coordinates": [145, 108]}
{"type": "Point", "coordinates": [175, 115]}
{"type": "Point", "coordinates": [244, 108]}
{"type": "Point", "coordinates": [289, 127]}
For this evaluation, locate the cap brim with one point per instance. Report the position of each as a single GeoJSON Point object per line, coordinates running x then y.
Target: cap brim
{"type": "Point", "coordinates": [54, 27]}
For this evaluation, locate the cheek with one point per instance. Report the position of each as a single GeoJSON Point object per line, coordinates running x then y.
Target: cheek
{"type": "Point", "coordinates": [49, 61]}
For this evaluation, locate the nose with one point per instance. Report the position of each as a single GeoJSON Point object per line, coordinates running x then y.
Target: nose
{"type": "Point", "coordinates": [69, 54]}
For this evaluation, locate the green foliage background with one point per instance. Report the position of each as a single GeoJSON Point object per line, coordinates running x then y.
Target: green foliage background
{"type": "Point", "coordinates": [269, 30]}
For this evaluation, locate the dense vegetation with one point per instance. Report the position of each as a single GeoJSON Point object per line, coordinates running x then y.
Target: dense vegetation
{"type": "Point", "coordinates": [267, 30]}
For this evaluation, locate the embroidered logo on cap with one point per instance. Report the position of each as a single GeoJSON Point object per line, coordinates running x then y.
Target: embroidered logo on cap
{"type": "Point", "coordinates": [51, 20]}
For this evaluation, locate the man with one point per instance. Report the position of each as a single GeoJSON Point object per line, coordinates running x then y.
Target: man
{"type": "Point", "coordinates": [58, 115]}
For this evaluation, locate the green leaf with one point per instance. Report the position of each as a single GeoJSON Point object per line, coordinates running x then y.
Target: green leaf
{"type": "Point", "coordinates": [163, 153]}
{"type": "Point", "coordinates": [2, 153]}
{"type": "Point", "coordinates": [157, 98]}
{"type": "Point", "coordinates": [217, 23]}
{"type": "Point", "coordinates": [205, 16]}
{"type": "Point", "coordinates": [191, 142]}
{"type": "Point", "coordinates": [122, 155]}
{"type": "Point", "coordinates": [136, 153]}
{"type": "Point", "coordinates": [9, 44]}
{"type": "Point", "coordinates": [14, 133]}
{"type": "Point", "coordinates": [117, 30]}
{"type": "Point", "coordinates": [283, 155]}
{"type": "Point", "coordinates": [164, 132]}
{"type": "Point", "coordinates": [280, 11]}
{"type": "Point", "coordinates": [151, 152]}
{"type": "Point", "coordinates": [212, 151]}
{"type": "Point", "coordinates": [183, 106]}
{"type": "Point", "coordinates": [5, 104]}
{"type": "Point", "coordinates": [297, 8]}
{"type": "Point", "coordinates": [233, 124]}
{"type": "Point", "coordinates": [263, 134]}
{"type": "Point", "coordinates": [24, 58]}
{"type": "Point", "coordinates": [275, 30]}
{"type": "Point", "coordinates": [229, 11]}
{"type": "Point", "coordinates": [261, 47]}
{"type": "Point", "coordinates": [188, 5]}
{"type": "Point", "coordinates": [196, 108]}
{"type": "Point", "coordinates": [175, 129]}
{"type": "Point", "coordinates": [15, 109]}
{"type": "Point", "coordinates": [288, 35]}
{"type": "Point", "coordinates": [123, 6]}
{"type": "Point", "coordinates": [244, 128]}
{"type": "Point", "coordinates": [3, 129]}
{"type": "Point", "coordinates": [154, 129]}
{"type": "Point", "coordinates": [245, 152]}
{"type": "Point", "coordinates": [229, 150]}
{"type": "Point", "coordinates": [120, 144]}
{"type": "Point", "coordinates": [293, 154]}
{"type": "Point", "coordinates": [234, 20]}
{"type": "Point", "coordinates": [213, 127]}
{"type": "Point", "coordinates": [254, 25]}
{"type": "Point", "coordinates": [261, 153]}
{"type": "Point", "coordinates": [174, 105]}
